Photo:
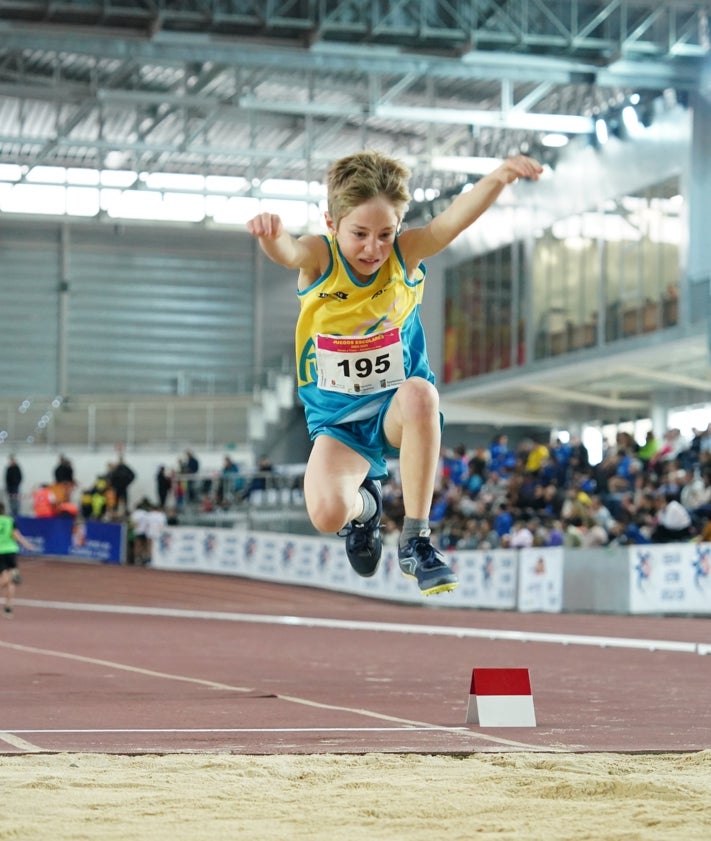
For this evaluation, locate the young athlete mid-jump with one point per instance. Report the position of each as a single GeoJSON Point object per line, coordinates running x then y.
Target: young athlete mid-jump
{"type": "Point", "coordinates": [362, 367]}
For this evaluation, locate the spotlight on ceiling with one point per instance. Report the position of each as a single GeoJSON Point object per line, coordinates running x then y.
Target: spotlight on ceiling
{"type": "Point", "coordinates": [554, 140]}
{"type": "Point", "coordinates": [602, 134]}
{"type": "Point", "coordinates": [630, 119]}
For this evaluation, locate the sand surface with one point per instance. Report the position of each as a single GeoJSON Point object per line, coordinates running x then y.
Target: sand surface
{"type": "Point", "coordinates": [209, 797]}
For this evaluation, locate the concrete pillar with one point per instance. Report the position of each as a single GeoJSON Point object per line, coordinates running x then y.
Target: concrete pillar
{"type": "Point", "coordinates": [660, 414]}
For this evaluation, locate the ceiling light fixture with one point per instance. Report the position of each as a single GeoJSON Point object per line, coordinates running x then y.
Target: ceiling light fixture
{"type": "Point", "coordinates": [555, 140]}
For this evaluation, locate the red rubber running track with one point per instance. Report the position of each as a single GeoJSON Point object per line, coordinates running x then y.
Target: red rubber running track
{"type": "Point", "coordinates": [114, 659]}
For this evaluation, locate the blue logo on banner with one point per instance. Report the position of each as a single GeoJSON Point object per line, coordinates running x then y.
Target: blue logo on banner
{"type": "Point", "coordinates": [702, 566]}
{"type": "Point", "coordinates": [287, 554]}
{"type": "Point", "coordinates": [643, 568]}
{"type": "Point", "coordinates": [487, 571]}
{"type": "Point", "coordinates": [250, 549]}
{"type": "Point", "coordinates": [324, 556]}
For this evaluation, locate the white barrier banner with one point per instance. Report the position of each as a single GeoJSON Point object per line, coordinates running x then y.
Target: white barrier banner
{"type": "Point", "coordinates": [540, 579]}
{"type": "Point", "coordinates": [179, 549]}
{"type": "Point", "coordinates": [486, 579]}
{"type": "Point", "coordinates": [670, 578]}
{"type": "Point", "coordinates": [673, 578]}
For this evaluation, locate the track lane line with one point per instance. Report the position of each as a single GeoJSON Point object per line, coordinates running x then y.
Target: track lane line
{"type": "Point", "coordinates": [9, 737]}
{"type": "Point", "coordinates": [682, 647]}
{"type": "Point", "coordinates": [291, 699]}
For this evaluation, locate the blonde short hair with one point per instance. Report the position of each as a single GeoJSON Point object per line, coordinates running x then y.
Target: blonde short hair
{"type": "Point", "coordinates": [362, 176]}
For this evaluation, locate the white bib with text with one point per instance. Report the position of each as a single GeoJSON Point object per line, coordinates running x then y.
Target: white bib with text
{"type": "Point", "coordinates": [360, 364]}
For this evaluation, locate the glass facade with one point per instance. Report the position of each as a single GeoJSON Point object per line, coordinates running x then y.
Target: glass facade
{"type": "Point", "coordinates": [597, 277]}
{"type": "Point", "coordinates": [483, 311]}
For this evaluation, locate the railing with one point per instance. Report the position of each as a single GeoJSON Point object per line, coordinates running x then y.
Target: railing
{"type": "Point", "coordinates": [208, 421]}
{"type": "Point", "coordinates": [265, 500]}
{"type": "Point", "coordinates": [619, 323]}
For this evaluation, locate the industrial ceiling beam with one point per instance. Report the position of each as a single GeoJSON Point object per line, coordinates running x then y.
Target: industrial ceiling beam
{"type": "Point", "coordinates": [329, 57]}
{"type": "Point", "coordinates": [624, 27]}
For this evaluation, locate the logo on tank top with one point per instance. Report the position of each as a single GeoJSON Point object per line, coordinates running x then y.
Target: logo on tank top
{"type": "Point", "coordinates": [341, 296]}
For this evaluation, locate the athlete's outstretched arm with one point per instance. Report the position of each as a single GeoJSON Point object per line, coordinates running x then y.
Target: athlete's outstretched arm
{"type": "Point", "coordinates": [466, 208]}
{"type": "Point", "coordinates": [279, 245]}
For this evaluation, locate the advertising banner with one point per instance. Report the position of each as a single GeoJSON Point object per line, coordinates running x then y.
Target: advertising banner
{"type": "Point", "coordinates": [486, 579]}
{"type": "Point", "coordinates": [670, 578]}
{"type": "Point", "coordinates": [540, 579]}
{"type": "Point", "coordinates": [65, 537]}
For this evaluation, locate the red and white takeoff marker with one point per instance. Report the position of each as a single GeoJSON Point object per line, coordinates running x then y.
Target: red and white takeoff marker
{"type": "Point", "coordinates": [501, 698]}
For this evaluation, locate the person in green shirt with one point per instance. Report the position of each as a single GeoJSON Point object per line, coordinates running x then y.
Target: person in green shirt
{"type": "Point", "coordinates": [649, 449]}
{"type": "Point", "coordinates": [10, 541]}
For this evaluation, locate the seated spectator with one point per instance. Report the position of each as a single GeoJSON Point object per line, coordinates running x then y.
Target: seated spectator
{"type": "Point", "coordinates": [501, 458]}
{"type": "Point", "coordinates": [626, 468]}
{"type": "Point", "coordinates": [475, 476]}
{"type": "Point", "coordinates": [260, 480]}
{"type": "Point", "coordinates": [522, 536]}
{"type": "Point", "coordinates": [673, 522]}
{"type": "Point", "coordinates": [555, 534]}
{"type": "Point", "coordinates": [594, 535]}
{"type": "Point", "coordinates": [600, 513]}
{"type": "Point", "coordinates": [705, 447]}
{"type": "Point", "coordinates": [503, 521]}
{"type": "Point", "coordinates": [575, 504]}
{"type": "Point", "coordinates": [579, 457]}
{"type": "Point", "coordinates": [470, 536]}
{"type": "Point", "coordinates": [648, 450]}
{"type": "Point", "coordinates": [696, 490]}
{"type": "Point", "coordinates": [552, 500]}
{"type": "Point", "coordinates": [229, 483]}
{"type": "Point", "coordinates": [493, 491]}
{"type": "Point", "coordinates": [537, 456]}
{"type": "Point", "coordinates": [455, 466]}
{"type": "Point", "coordinates": [561, 454]}
{"type": "Point", "coordinates": [573, 532]}
{"type": "Point", "coordinates": [488, 538]}
{"type": "Point", "coordinates": [674, 444]}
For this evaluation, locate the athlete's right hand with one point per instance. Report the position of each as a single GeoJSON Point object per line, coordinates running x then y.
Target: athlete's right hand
{"type": "Point", "coordinates": [266, 225]}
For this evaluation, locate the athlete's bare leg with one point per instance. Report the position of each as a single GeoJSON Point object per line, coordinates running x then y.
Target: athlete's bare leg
{"type": "Point", "coordinates": [333, 475]}
{"type": "Point", "coordinates": [412, 423]}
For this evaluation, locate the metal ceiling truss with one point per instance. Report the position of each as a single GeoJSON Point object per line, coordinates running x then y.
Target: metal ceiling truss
{"type": "Point", "coordinates": [568, 27]}
{"type": "Point", "coordinates": [277, 88]}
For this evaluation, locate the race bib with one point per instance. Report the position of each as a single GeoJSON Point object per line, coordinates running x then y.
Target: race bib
{"type": "Point", "coordinates": [360, 364]}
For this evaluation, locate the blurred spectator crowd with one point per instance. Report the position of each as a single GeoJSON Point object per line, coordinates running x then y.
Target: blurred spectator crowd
{"type": "Point", "coordinates": [546, 493]}
{"type": "Point", "coordinates": [534, 493]}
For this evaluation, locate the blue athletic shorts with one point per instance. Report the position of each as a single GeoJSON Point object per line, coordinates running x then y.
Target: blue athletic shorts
{"type": "Point", "coordinates": [367, 438]}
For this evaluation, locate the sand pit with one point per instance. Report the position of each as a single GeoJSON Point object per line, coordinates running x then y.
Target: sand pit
{"type": "Point", "coordinates": [374, 797]}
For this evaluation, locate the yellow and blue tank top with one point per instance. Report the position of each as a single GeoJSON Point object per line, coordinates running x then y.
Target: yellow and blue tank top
{"type": "Point", "coordinates": [339, 304]}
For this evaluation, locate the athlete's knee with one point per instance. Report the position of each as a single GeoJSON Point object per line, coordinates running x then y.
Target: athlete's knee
{"type": "Point", "coordinates": [418, 397]}
{"type": "Point", "coordinates": [328, 513]}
